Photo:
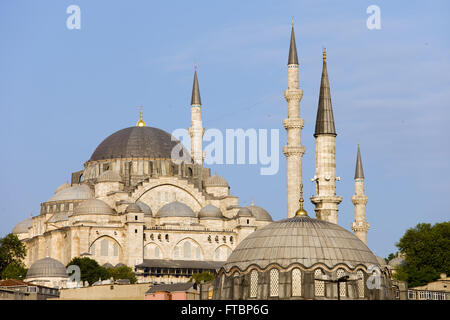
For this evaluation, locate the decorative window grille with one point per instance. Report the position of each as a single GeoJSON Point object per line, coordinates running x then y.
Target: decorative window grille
{"type": "Point", "coordinates": [319, 286]}
{"type": "Point", "coordinates": [360, 276]}
{"type": "Point", "coordinates": [296, 282]}
{"type": "Point", "coordinates": [342, 285]}
{"type": "Point", "coordinates": [274, 275]}
{"type": "Point", "coordinates": [253, 284]}
{"type": "Point", "coordinates": [104, 247]}
{"type": "Point", "coordinates": [198, 253]}
{"type": "Point", "coordinates": [187, 250]}
{"type": "Point", "coordinates": [217, 254]}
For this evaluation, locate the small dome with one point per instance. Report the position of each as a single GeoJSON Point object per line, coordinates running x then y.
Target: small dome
{"type": "Point", "coordinates": [145, 209]}
{"type": "Point", "coordinates": [175, 209]}
{"type": "Point", "coordinates": [300, 240]}
{"type": "Point", "coordinates": [47, 268]}
{"type": "Point", "coordinates": [92, 206]}
{"type": "Point", "coordinates": [107, 265]}
{"type": "Point", "coordinates": [381, 261]}
{"type": "Point", "coordinates": [210, 212]}
{"type": "Point", "coordinates": [215, 181]}
{"type": "Point", "coordinates": [259, 213]}
{"type": "Point", "coordinates": [133, 208]}
{"type": "Point", "coordinates": [22, 226]}
{"type": "Point", "coordinates": [244, 212]}
{"type": "Point", "coordinates": [76, 192]}
{"type": "Point", "coordinates": [62, 187]}
{"type": "Point", "coordinates": [397, 262]}
{"type": "Point", "coordinates": [109, 176]}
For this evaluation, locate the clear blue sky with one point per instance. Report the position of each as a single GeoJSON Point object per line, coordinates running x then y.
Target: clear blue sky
{"type": "Point", "coordinates": [63, 91]}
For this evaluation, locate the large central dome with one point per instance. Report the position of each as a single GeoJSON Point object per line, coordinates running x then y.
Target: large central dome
{"type": "Point", "coordinates": [136, 142]}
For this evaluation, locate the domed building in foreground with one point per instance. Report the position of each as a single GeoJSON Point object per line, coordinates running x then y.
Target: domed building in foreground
{"type": "Point", "coordinates": [136, 203]}
{"type": "Point", "coordinates": [301, 257]}
{"type": "Point", "coordinates": [47, 272]}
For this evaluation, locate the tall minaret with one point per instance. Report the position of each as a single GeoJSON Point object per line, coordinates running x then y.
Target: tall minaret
{"type": "Point", "coordinates": [359, 199]}
{"type": "Point", "coordinates": [293, 150]}
{"type": "Point", "coordinates": [325, 200]}
{"type": "Point", "coordinates": [196, 130]}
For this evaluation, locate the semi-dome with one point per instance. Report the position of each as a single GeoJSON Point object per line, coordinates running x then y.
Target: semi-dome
{"type": "Point", "coordinates": [397, 262]}
{"type": "Point", "coordinates": [244, 212]}
{"type": "Point", "coordinates": [22, 226]}
{"type": "Point", "coordinates": [300, 240]}
{"type": "Point", "coordinates": [215, 181]}
{"type": "Point", "coordinates": [145, 209]}
{"type": "Point", "coordinates": [92, 206]}
{"type": "Point", "coordinates": [62, 187]}
{"type": "Point", "coordinates": [136, 142]}
{"type": "Point", "coordinates": [175, 209]}
{"type": "Point", "coordinates": [47, 268]}
{"type": "Point", "coordinates": [76, 192]}
{"type": "Point", "coordinates": [259, 213]}
{"type": "Point", "coordinates": [133, 208]}
{"type": "Point", "coordinates": [210, 212]}
{"type": "Point", "coordinates": [381, 261]}
{"type": "Point", "coordinates": [109, 176]}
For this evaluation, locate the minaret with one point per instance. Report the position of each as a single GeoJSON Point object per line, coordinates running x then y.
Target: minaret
{"type": "Point", "coordinates": [196, 130]}
{"type": "Point", "coordinates": [359, 199]}
{"type": "Point", "coordinates": [293, 150]}
{"type": "Point", "coordinates": [325, 200]}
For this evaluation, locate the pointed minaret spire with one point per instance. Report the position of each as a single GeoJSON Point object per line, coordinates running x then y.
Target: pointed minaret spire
{"type": "Point", "coordinates": [325, 200]}
{"type": "Point", "coordinates": [359, 199]}
{"type": "Point", "coordinates": [325, 119]}
{"type": "Point", "coordinates": [293, 58]}
{"type": "Point", "coordinates": [293, 150]}
{"type": "Point", "coordinates": [359, 172]}
{"type": "Point", "coordinates": [196, 130]}
{"type": "Point", "coordinates": [195, 100]}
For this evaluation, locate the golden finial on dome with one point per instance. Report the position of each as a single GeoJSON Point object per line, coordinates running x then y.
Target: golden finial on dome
{"type": "Point", "coordinates": [141, 122]}
{"type": "Point", "coordinates": [301, 211]}
{"type": "Point", "coordinates": [324, 54]}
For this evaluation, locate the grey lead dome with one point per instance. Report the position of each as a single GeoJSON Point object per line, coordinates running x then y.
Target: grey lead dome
{"type": "Point", "coordinates": [300, 240]}
{"type": "Point", "coordinates": [47, 267]}
{"type": "Point", "coordinates": [136, 142]}
{"type": "Point", "coordinates": [175, 209]}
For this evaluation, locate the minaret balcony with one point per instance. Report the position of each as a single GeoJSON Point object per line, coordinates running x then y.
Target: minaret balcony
{"type": "Point", "coordinates": [292, 123]}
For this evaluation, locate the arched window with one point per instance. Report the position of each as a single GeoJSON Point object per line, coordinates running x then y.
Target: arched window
{"type": "Point", "coordinates": [360, 276]}
{"type": "Point", "coordinates": [342, 285]}
{"type": "Point", "coordinates": [319, 286]}
{"type": "Point", "coordinates": [274, 275]}
{"type": "Point", "coordinates": [116, 250]}
{"type": "Point", "coordinates": [296, 282]}
{"type": "Point", "coordinates": [187, 250]}
{"type": "Point", "coordinates": [157, 252]}
{"type": "Point", "coordinates": [93, 249]}
{"type": "Point", "coordinates": [253, 284]}
{"type": "Point", "coordinates": [176, 253]}
{"type": "Point", "coordinates": [104, 246]}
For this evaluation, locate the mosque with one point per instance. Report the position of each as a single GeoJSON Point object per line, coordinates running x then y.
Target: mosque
{"type": "Point", "coordinates": [133, 205]}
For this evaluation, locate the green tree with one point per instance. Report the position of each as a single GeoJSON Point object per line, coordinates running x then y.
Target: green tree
{"type": "Point", "coordinates": [90, 270]}
{"type": "Point", "coordinates": [427, 253]}
{"type": "Point", "coordinates": [12, 250]}
{"type": "Point", "coordinates": [205, 276]}
{"type": "Point", "coordinates": [122, 272]}
{"type": "Point", "coordinates": [14, 271]}
{"type": "Point", "coordinates": [391, 256]}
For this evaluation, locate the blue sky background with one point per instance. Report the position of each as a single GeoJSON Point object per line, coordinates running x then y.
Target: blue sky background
{"type": "Point", "coordinates": [63, 91]}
